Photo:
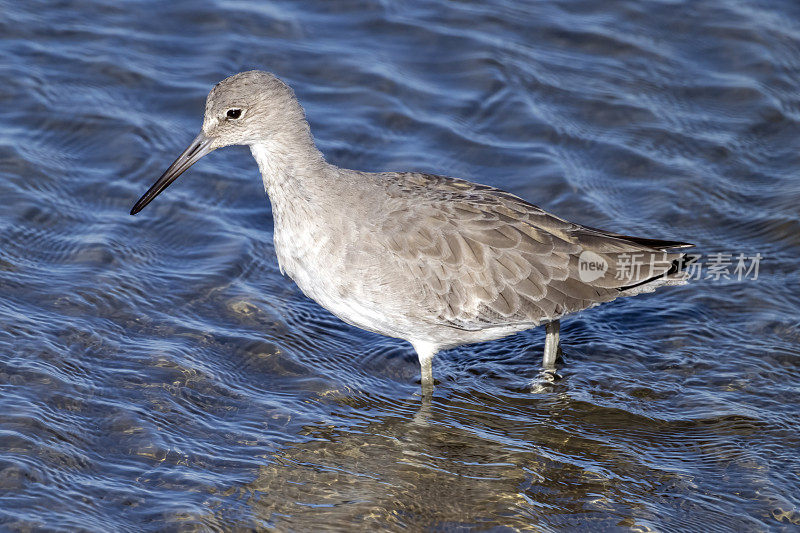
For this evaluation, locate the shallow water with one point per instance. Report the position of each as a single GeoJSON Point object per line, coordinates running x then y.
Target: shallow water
{"type": "Point", "coordinates": [158, 373]}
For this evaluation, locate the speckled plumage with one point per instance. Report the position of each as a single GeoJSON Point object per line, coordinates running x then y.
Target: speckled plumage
{"type": "Point", "coordinates": [433, 260]}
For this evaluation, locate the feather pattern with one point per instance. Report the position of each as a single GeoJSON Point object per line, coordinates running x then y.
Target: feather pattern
{"type": "Point", "coordinates": [489, 259]}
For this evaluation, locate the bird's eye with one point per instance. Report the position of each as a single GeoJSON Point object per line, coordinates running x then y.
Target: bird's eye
{"type": "Point", "coordinates": [234, 113]}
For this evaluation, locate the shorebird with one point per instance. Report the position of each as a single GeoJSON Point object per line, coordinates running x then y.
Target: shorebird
{"type": "Point", "coordinates": [436, 261]}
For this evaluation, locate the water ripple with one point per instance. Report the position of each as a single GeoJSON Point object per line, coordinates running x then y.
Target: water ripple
{"type": "Point", "coordinates": [158, 372]}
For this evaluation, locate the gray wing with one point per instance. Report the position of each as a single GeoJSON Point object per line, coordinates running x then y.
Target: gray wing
{"type": "Point", "coordinates": [482, 257]}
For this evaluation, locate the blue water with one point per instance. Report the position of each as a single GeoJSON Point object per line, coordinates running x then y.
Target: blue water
{"type": "Point", "coordinates": [158, 373]}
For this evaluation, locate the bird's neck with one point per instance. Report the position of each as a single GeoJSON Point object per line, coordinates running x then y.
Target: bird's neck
{"type": "Point", "coordinates": [289, 163]}
{"type": "Point", "coordinates": [295, 174]}
{"type": "Point", "coordinates": [296, 177]}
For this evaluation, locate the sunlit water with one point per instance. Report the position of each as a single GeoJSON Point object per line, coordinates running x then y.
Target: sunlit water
{"type": "Point", "coordinates": [158, 372]}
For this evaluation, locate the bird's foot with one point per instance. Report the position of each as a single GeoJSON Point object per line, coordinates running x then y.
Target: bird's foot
{"type": "Point", "coordinates": [544, 381]}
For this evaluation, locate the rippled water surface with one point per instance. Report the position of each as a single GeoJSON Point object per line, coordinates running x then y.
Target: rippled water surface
{"type": "Point", "coordinates": [158, 373]}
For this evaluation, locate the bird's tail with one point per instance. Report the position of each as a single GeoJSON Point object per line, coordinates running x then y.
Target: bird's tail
{"type": "Point", "coordinates": [677, 274]}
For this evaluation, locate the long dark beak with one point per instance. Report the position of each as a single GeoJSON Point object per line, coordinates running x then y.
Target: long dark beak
{"type": "Point", "coordinates": [200, 146]}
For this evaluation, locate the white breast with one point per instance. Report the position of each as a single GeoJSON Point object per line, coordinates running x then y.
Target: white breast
{"type": "Point", "coordinates": [313, 255]}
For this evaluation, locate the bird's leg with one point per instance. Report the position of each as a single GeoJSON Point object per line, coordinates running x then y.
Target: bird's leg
{"type": "Point", "coordinates": [425, 364]}
{"type": "Point", "coordinates": [552, 349]}
{"type": "Point", "coordinates": [551, 345]}
{"type": "Point", "coordinates": [425, 352]}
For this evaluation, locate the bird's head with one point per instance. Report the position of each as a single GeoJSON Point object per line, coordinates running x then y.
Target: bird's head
{"type": "Point", "coordinates": [246, 108]}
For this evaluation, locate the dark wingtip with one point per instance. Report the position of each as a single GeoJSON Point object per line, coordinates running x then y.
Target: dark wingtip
{"type": "Point", "coordinates": [659, 244]}
{"type": "Point", "coordinates": [678, 265]}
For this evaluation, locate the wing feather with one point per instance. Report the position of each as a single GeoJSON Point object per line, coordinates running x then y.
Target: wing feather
{"type": "Point", "coordinates": [488, 258]}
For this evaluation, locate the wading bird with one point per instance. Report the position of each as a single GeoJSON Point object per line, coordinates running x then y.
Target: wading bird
{"type": "Point", "coordinates": [437, 261]}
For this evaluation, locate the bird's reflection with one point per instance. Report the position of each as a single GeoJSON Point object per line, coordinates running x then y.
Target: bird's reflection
{"type": "Point", "coordinates": [441, 460]}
